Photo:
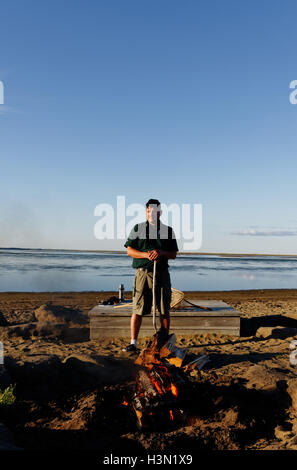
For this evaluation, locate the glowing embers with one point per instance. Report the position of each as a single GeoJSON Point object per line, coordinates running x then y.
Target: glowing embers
{"type": "Point", "coordinates": [158, 392]}
{"type": "Point", "coordinates": [162, 384]}
{"type": "Point", "coordinates": [174, 390]}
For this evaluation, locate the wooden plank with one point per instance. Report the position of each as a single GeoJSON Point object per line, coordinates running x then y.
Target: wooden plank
{"type": "Point", "coordinates": [99, 333]}
{"type": "Point", "coordinates": [175, 322]}
{"type": "Point", "coordinates": [105, 321]}
{"type": "Point", "coordinates": [216, 305]}
{"type": "Point", "coordinates": [173, 314]}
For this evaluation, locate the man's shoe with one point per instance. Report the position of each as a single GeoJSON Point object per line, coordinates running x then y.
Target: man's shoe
{"type": "Point", "coordinates": [130, 348]}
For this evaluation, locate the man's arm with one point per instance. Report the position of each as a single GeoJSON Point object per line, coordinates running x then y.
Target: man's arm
{"type": "Point", "coordinates": [167, 254]}
{"type": "Point", "coordinates": [136, 253]}
{"type": "Point", "coordinates": [151, 255]}
{"type": "Point", "coordinates": [156, 254]}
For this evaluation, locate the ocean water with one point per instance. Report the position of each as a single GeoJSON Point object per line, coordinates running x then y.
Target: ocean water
{"type": "Point", "coordinates": [60, 270]}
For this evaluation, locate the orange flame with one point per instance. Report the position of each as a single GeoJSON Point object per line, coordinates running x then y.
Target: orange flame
{"type": "Point", "coordinates": [125, 403]}
{"type": "Point", "coordinates": [158, 387]}
{"type": "Point", "coordinates": [171, 415]}
{"type": "Point", "coordinates": [174, 390]}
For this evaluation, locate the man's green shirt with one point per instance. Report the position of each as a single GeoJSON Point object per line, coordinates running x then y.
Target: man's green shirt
{"type": "Point", "coordinates": [144, 237]}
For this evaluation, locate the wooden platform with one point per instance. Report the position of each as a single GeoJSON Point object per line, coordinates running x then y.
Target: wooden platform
{"type": "Point", "coordinates": [109, 321]}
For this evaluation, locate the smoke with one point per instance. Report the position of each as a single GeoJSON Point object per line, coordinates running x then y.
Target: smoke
{"type": "Point", "coordinates": [19, 226]}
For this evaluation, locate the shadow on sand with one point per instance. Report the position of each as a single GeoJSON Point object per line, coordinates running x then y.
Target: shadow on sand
{"type": "Point", "coordinates": [249, 326]}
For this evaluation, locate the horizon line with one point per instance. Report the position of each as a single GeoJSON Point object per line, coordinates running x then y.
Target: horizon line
{"type": "Point", "coordinates": [199, 253]}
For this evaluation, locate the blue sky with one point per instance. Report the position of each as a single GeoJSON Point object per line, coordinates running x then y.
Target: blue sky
{"type": "Point", "coordinates": [184, 101]}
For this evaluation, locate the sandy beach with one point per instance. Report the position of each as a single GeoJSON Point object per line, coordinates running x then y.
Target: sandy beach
{"type": "Point", "coordinates": [69, 390]}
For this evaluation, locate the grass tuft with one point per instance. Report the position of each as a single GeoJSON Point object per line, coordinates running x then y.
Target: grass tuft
{"type": "Point", "coordinates": [7, 396]}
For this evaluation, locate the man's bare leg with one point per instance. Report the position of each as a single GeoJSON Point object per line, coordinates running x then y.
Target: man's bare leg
{"type": "Point", "coordinates": [136, 321]}
{"type": "Point", "coordinates": [165, 321]}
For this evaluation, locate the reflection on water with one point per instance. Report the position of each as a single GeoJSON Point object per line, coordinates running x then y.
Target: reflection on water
{"type": "Point", "coordinates": [58, 270]}
{"type": "Point", "coordinates": [251, 277]}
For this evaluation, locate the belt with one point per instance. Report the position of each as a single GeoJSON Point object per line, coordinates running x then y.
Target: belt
{"type": "Point", "coordinates": [150, 270]}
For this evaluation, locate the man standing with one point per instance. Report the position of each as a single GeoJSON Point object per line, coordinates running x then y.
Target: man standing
{"type": "Point", "coordinates": [147, 242]}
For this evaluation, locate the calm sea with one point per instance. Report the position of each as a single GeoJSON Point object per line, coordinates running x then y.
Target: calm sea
{"type": "Point", "coordinates": [49, 270]}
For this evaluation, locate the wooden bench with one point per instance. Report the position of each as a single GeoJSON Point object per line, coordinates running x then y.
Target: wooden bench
{"type": "Point", "coordinates": [111, 321]}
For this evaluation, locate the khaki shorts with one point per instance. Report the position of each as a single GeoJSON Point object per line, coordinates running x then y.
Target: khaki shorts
{"type": "Point", "coordinates": [143, 292]}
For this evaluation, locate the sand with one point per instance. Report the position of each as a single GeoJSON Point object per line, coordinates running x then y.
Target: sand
{"type": "Point", "coordinates": [69, 390]}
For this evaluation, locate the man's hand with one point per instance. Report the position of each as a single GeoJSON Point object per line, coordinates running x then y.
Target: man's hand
{"type": "Point", "coordinates": [154, 254]}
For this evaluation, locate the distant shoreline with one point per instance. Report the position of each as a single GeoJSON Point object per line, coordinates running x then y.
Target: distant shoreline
{"type": "Point", "coordinates": [183, 253]}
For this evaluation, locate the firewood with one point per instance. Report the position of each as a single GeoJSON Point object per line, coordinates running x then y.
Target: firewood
{"type": "Point", "coordinates": [197, 363]}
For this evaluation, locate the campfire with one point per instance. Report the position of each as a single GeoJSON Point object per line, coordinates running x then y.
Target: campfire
{"type": "Point", "coordinates": [162, 382]}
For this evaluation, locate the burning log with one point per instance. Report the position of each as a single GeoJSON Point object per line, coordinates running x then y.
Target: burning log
{"type": "Point", "coordinates": [161, 384]}
{"type": "Point", "coordinates": [157, 393]}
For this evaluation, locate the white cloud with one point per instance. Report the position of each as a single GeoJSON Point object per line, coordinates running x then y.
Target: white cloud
{"type": "Point", "coordinates": [265, 233]}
